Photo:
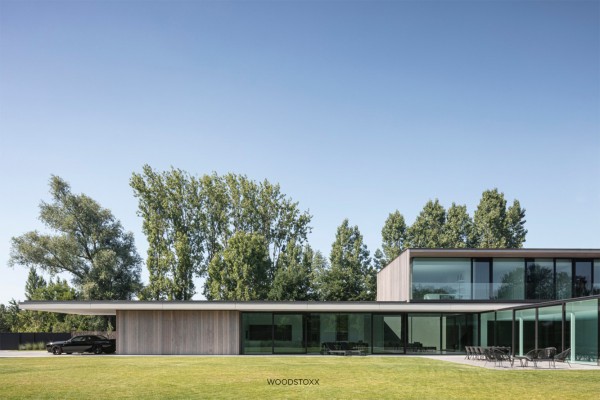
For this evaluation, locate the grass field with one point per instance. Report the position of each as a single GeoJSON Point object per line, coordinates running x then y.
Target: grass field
{"type": "Point", "coordinates": [107, 377]}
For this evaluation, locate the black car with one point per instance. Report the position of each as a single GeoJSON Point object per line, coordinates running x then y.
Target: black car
{"type": "Point", "coordinates": [83, 344]}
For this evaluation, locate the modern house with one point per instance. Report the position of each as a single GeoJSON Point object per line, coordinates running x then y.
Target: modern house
{"type": "Point", "coordinates": [429, 301]}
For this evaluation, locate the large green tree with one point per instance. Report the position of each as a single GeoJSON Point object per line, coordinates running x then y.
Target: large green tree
{"type": "Point", "coordinates": [239, 271]}
{"type": "Point", "coordinates": [294, 277]}
{"type": "Point", "coordinates": [458, 228]}
{"type": "Point", "coordinates": [87, 242]}
{"type": "Point", "coordinates": [428, 229]}
{"type": "Point", "coordinates": [189, 221]}
{"type": "Point", "coordinates": [393, 237]}
{"type": "Point", "coordinates": [496, 226]}
{"type": "Point", "coordinates": [350, 275]}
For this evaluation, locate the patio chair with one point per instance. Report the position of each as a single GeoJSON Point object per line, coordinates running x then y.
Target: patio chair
{"type": "Point", "coordinates": [489, 356]}
{"type": "Point", "coordinates": [564, 356]}
{"type": "Point", "coordinates": [469, 351]}
{"type": "Point", "coordinates": [479, 353]}
{"type": "Point", "coordinates": [547, 354]}
{"type": "Point", "coordinates": [501, 355]}
{"type": "Point", "coordinates": [531, 355]}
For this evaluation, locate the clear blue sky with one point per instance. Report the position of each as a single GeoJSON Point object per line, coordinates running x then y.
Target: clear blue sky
{"type": "Point", "coordinates": [356, 108]}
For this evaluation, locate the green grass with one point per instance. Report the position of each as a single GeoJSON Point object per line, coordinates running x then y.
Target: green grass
{"type": "Point", "coordinates": [106, 377]}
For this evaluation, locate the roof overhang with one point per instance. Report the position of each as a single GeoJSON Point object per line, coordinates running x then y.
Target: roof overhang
{"type": "Point", "coordinates": [516, 253]}
{"type": "Point", "coordinates": [111, 307]}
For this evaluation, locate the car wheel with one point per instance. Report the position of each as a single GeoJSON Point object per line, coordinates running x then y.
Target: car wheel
{"type": "Point", "coordinates": [98, 350]}
{"type": "Point", "coordinates": [56, 350]}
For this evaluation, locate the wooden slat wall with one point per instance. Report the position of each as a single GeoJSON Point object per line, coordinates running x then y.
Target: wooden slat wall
{"type": "Point", "coordinates": [178, 332]}
{"type": "Point", "coordinates": [393, 282]}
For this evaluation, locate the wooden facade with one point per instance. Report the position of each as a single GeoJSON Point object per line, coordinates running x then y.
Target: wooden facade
{"type": "Point", "coordinates": [178, 332]}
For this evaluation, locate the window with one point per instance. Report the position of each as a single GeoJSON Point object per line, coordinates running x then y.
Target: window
{"type": "Point", "coordinates": [441, 278]}
{"type": "Point", "coordinates": [508, 279]}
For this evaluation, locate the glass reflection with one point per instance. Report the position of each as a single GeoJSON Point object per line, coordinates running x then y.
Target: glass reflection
{"type": "Point", "coordinates": [441, 279]}
{"type": "Point", "coordinates": [540, 279]}
{"type": "Point", "coordinates": [508, 279]}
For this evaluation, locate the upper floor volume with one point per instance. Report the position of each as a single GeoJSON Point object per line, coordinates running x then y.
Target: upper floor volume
{"type": "Point", "coordinates": [480, 275]}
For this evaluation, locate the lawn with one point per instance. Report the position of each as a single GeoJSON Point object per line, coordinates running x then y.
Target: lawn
{"type": "Point", "coordinates": [106, 377]}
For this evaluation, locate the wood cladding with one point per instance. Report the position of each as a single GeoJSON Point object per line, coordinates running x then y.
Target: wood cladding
{"type": "Point", "coordinates": [178, 332]}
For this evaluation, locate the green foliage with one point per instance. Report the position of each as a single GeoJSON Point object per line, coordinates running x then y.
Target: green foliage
{"type": "Point", "coordinates": [294, 277]}
{"type": "Point", "coordinates": [89, 244]}
{"type": "Point", "coordinates": [239, 272]}
{"type": "Point", "coordinates": [393, 236]}
{"type": "Point", "coordinates": [458, 228]}
{"type": "Point", "coordinates": [497, 227]}
{"type": "Point", "coordinates": [428, 229]}
{"type": "Point", "coordinates": [33, 346]}
{"type": "Point", "coordinates": [493, 226]}
{"type": "Point", "coordinates": [189, 221]}
{"type": "Point", "coordinates": [13, 319]}
{"type": "Point", "coordinates": [351, 276]}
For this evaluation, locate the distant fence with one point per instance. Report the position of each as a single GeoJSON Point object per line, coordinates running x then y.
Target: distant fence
{"type": "Point", "coordinates": [11, 341]}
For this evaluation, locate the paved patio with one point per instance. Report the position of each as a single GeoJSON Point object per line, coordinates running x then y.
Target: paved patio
{"type": "Point", "coordinates": [517, 366]}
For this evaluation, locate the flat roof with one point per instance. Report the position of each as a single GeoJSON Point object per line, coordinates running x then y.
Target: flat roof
{"type": "Point", "coordinates": [111, 307]}
{"type": "Point", "coordinates": [520, 253]}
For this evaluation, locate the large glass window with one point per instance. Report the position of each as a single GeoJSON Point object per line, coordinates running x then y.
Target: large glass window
{"type": "Point", "coordinates": [583, 318]}
{"type": "Point", "coordinates": [564, 273]}
{"type": "Point", "coordinates": [387, 334]}
{"type": "Point", "coordinates": [504, 328]}
{"type": "Point", "coordinates": [458, 331]}
{"type": "Point", "coordinates": [348, 329]}
{"type": "Point", "coordinates": [258, 333]}
{"type": "Point", "coordinates": [288, 333]}
{"type": "Point", "coordinates": [596, 288]}
{"type": "Point", "coordinates": [583, 279]}
{"type": "Point", "coordinates": [540, 279]}
{"type": "Point", "coordinates": [481, 279]}
{"type": "Point", "coordinates": [550, 327]}
{"type": "Point", "coordinates": [525, 336]}
{"type": "Point", "coordinates": [441, 278]}
{"type": "Point", "coordinates": [487, 328]}
{"type": "Point", "coordinates": [424, 333]}
{"type": "Point", "coordinates": [508, 279]}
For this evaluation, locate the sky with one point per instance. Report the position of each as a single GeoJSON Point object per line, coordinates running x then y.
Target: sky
{"type": "Point", "coordinates": [355, 108]}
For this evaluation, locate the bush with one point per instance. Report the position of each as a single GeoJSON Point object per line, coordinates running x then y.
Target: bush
{"type": "Point", "coordinates": [33, 346]}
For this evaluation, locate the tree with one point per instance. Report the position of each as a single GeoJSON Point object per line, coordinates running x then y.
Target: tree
{"type": "Point", "coordinates": [497, 227]}
{"type": "Point", "coordinates": [351, 275]}
{"type": "Point", "coordinates": [190, 220]}
{"type": "Point", "coordinates": [393, 236]}
{"type": "Point", "coordinates": [458, 229]}
{"type": "Point", "coordinates": [294, 278]}
{"type": "Point", "coordinates": [427, 230]}
{"type": "Point", "coordinates": [89, 244]}
{"type": "Point", "coordinates": [515, 221]}
{"type": "Point", "coordinates": [239, 272]}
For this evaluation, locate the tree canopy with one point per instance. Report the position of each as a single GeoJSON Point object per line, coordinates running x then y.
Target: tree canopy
{"type": "Point", "coordinates": [350, 276]}
{"type": "Point", "coordinates": [87, 242]}
{"type": "Point", "coordinates": [189, 222]}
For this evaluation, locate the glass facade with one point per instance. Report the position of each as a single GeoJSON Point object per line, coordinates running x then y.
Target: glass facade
{"type": "Point", "coordinates": [508, 279]}
{"type": "Point", "coordinates": [481, 279]}
{"type": "Point", "coordinates": [566, 324]}
{"type": "Point", "coordinates": [525, 335]}
{"type": "Point", "coordinates": [583, 326]}
{"type": "Point", "coordinates": [550, 327]}
{"type": "Point", "coordinates": [387, 334]}
{"type": "Point", "coordinates": [596, 287]}
{"type": "Point", "coordinates": [424, 334]}
{"type": "Point", "coordinates": [583, 279]}
{"type": "Point", "coordinates": [503, 279]}
{"type": "Point", "coordinates": [564, 278]}
{"type": "Point", "coordinates": [540, 279]}
{"type": "Point", "coordinates": [441, 278]}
